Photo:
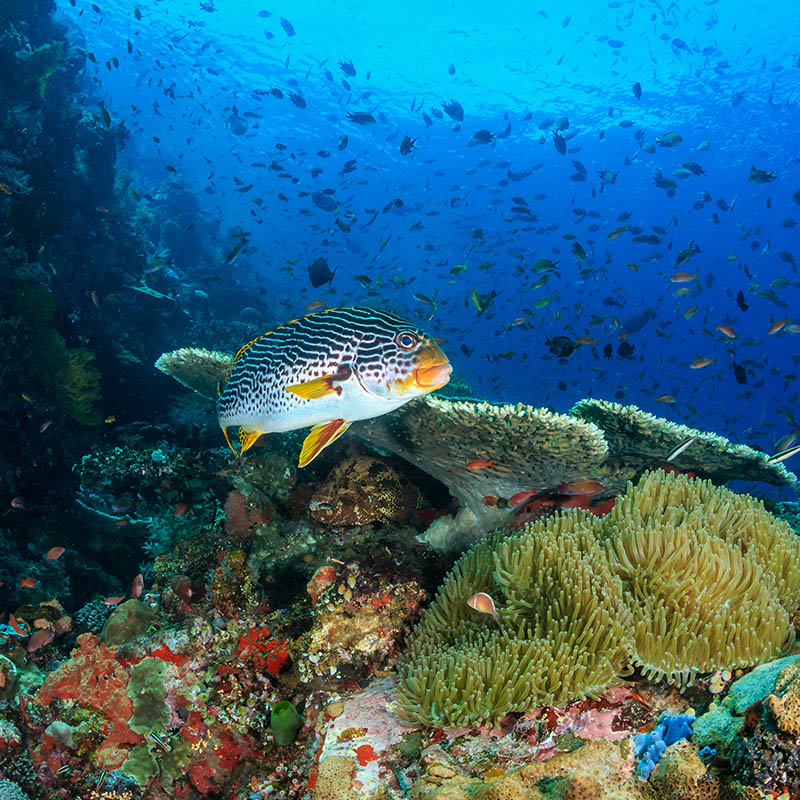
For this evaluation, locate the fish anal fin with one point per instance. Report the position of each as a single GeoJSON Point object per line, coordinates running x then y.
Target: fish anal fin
{"type": "Point", "coordinates": [322, 386]}
{"type": "Point", "coordinates": [319, 438]}
{"type": "Point", "coordinates": [247, 439]}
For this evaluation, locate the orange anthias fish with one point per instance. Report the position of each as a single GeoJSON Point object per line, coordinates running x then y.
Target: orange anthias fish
{"type": "Point", "coordinates": [583, 487]}
{"type": "Point", "coordinates": [683, 277]}
{"type": "Point", "coordinates": [113, 601]}
{"type": "Point", "coordinates": [726, 330]}
{"type": "Point", "coordinates": [699, 363]}
{"type": "Point", "coordinates": [28, 583]}
{"type": "Point", "coordinates": [777, 326]}
{"type": "Point", "coordinates": [54, 553]}
{"type": "Point", "coordinates": [479, 464]}
{"type": "Point", "coordinates": [520, 497]}
{"type": "Point", "coordinates": [483, 602]}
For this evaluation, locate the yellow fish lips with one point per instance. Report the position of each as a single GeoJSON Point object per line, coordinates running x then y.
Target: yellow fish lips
{"type": "Point", "coordinates": [434, 376]}
{"type": "Point", "coordinates": [429, 371]}
{"type": "Point", "coordinates": [432, 368]}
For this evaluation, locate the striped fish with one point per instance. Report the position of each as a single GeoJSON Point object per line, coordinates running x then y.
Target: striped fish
{"type": "Point", "coordinates": [327, 370]}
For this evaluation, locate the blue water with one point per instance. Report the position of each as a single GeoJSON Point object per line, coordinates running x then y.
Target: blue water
{"type": "Point", "coordinates": [725, 73]}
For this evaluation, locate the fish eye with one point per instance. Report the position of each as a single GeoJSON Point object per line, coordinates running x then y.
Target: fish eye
{"type": "Point", "coordinates": [406, 340]}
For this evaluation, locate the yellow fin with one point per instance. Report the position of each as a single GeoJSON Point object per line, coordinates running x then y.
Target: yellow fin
{"type": "Point", "coordinates": [247, 439]}
{"type": "Point", "coordinates": [228, 440]}
{"type": "Point", "coordinates": [319, 438]}
{"type": "Point", "coordinates": [320, 387]}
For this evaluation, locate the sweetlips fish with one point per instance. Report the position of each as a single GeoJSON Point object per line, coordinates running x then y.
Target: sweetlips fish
{"type": "Point", "coordinates": [327, 370]}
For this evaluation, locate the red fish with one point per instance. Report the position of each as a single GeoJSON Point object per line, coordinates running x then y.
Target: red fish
{"type": "Point", "coordinates": [12, 621]}
{"type": "Point", "coordinates": [28, 583]}
{"type": "Point", "coordinates": [137, 586]}
{"type": "Point", "coordinates": [479, 464]}
{"type": "Point", "coordinates": [520, 497]}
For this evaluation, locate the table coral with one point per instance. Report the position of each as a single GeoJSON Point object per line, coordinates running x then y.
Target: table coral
{"type": "Point", "coordinates": [530, 449]}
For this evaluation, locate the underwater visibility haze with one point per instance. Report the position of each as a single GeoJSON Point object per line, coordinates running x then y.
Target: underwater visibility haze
{"type": "Point", "coordinates": [399, 400]}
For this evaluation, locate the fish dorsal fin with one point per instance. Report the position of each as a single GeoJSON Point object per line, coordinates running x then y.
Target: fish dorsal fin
{"type": "Point", "coordinates": [239, 354]}
{"type": "Point", "coordinates": [322, 386]}
{"type": "Point", "coordinates": [319, 438]}
{"type": "Point", "coordinates": [247, 439]}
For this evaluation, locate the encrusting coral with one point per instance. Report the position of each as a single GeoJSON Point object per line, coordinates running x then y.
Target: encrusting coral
{"type": "Point", "coordinates": [363, 489]}
{"type": "Point", "coordinates": [680, 578]}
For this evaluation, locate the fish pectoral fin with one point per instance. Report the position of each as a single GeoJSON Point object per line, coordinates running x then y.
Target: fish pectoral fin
{"type": "Point", "coordinates": [247, 439]}
{"type": "Point", "coordinates": [322, 386]}
{"type": "Point", "coordinates": [319, 438]}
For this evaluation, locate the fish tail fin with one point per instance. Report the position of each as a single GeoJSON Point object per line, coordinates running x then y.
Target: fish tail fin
{"type": "Point", "coordinates": [319, 438]}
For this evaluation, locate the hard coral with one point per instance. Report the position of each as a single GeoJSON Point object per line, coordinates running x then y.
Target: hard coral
{"type": "Point", "coordinates": [358, 631]}
{"type": "Point", "coordinates": [785, 703]}
{"type": "Point", "coordinates": [363, 489]}
{"type": "Point", "coordinates": [681, 775]}
{"type": "Point", "coordinates": [638, 440]}
{"type": "Point", "coordinates": [580, 599]}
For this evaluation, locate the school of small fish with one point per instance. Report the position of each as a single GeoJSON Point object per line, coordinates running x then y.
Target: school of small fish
{"type": "Point", "coordinates": [589, 243]}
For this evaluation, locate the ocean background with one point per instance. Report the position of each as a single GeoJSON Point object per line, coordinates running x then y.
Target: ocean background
{"type": "Point", "coordinates": [576, 200]}
{"type": "Point", "coordinates": [721, 73]}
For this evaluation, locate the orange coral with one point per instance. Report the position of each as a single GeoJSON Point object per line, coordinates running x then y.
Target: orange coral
{"type": "Point", "coordinates": [93, 678]}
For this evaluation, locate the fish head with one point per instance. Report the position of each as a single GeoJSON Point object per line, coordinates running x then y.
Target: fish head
{"type": "Point", "coordinates": [402, 364]}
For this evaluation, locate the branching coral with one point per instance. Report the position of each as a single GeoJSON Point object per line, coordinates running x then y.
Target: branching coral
{"type": "Point", "coordinates": [681, 577]}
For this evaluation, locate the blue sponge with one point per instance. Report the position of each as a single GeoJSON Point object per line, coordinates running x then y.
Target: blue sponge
{"type": "Point", "coordinates": [649, 747]}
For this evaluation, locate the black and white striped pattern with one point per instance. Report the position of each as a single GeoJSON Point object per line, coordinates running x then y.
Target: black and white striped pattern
{"type": "Point", "coordinates": [321, 344]}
